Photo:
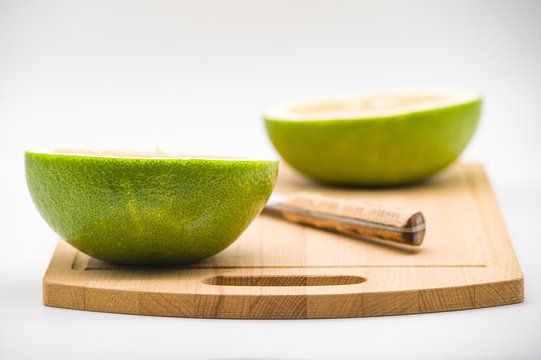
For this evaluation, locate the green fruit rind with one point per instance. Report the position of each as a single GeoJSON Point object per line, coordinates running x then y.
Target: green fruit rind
{"type": "Point", "coordinates": [376, 151]}
{"type": "Point", "coordinates": [148, 211]}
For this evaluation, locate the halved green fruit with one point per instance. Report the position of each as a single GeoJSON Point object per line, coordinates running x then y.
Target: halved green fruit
{"type": "Point", "coordinates": [375, 140]}
{"type": "Point", "coordinates": [148, 208]}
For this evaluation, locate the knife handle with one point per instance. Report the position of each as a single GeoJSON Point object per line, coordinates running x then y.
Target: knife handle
{"type": "Point", "coordinates": [354, 217]}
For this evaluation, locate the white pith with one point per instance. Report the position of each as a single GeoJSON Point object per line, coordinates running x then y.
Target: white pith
{"type": "Point", "coordinates": [157, 154]}
{"type": "Point", "coordinates": [369, 106]}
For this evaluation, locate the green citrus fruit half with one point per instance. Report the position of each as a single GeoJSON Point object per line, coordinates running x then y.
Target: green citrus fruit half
{"type": "Point", "coordinates": [374, 140]}
{"type": "Point", "coordinates": [148, 209]}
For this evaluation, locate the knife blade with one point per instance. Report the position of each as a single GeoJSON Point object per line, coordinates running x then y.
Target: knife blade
{"type": "Point", "coordinates": [351, 216]}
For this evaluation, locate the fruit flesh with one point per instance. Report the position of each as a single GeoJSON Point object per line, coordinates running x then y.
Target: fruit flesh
{"type": "Point", "coordinates": [365, 104]}
{"type": "Point", "coordinates": [157, 154]}
{"type": "Point", "coordinates": [148, 211]}
{"type": "Point", "coordinates": [388, 149]}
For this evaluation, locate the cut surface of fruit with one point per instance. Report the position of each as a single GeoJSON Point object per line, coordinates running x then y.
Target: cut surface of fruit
{"type": "Point", "coordinates": [157, 154]}
{"type": "Point", "coordinates": [382, 139]}
{"type": "Point", "coordinates": [366, 106]}
{"type": "Point", "coordinates": [145, 208]}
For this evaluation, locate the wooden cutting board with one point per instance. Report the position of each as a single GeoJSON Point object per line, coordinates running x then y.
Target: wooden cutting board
{"type": "Point", "coordinates": [281, 270]}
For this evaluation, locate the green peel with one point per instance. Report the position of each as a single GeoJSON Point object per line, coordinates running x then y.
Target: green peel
{"type": "Point", "coordinates": [148, 211]}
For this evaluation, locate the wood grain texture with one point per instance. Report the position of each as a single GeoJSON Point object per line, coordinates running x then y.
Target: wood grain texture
{"type": "Point", "coordinates": [278, 269]}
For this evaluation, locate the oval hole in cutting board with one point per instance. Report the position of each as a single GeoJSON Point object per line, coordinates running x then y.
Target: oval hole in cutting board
{"type": "Point", "coordinates": [277, 280]}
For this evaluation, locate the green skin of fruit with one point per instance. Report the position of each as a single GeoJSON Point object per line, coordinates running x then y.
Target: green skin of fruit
{"type": "Point", "coordinates": [148, 211]}
{"type": "Point", "coordinates": [379, 151]}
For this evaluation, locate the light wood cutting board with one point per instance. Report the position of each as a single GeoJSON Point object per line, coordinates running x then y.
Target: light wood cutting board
{"type": "Point", "coordinates": [281, 270]}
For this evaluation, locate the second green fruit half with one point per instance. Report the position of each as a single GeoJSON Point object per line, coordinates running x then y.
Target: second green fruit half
{"type": "Point", "coordinates": [376, 140]}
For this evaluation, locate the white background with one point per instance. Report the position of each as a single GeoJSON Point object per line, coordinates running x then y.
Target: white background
{"type": "Point", "coordinates": [193, 76]}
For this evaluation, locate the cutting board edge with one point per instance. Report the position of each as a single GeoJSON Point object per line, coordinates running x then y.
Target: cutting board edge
{"type": "Point", "coordinates": [361, 304]}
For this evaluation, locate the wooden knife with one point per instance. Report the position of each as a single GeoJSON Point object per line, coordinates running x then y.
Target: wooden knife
{"type": "Point", "coordinates": [352, 217]}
